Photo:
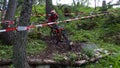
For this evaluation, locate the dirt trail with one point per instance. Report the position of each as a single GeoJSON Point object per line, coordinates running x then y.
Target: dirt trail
{"type": "Point", "coordinates": [53, 48]}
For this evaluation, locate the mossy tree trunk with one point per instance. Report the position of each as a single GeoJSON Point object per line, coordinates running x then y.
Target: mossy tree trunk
{"type": "Point", "coordinates": [19, 49]}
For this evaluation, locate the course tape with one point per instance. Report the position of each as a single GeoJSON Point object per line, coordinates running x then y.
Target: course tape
{"type": "Point", "coordinates": [23, 28]}
{"type": "Point", "coordinates": [69, 13]}
{"type": "Point", "coordinates": [7, 21]}
{"type": "Point", "coordinates": [39, 15]}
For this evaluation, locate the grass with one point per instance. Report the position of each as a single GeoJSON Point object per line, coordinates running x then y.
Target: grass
{"type": "Point", "coordinates": [34, 46]}
{"type": "Point", "coordinates": [94, 36]}
{"type": "Point", "coordinates": [69, 56]}
{"type": "Point", "coordinates": [112, 61]}
{"type": "Point", "coordinates": [59, 57]}
{"type": "Point", "coordinates": [5, 51]}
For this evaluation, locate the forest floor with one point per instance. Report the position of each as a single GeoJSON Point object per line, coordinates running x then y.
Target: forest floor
{"type": "Point", "coordinates": [52, 48]}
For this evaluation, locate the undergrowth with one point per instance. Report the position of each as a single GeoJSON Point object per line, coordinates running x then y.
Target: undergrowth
{"type": "Point", "coordinates": [34, 46]}
{"type": "Point", "coordinates": [5, 51]}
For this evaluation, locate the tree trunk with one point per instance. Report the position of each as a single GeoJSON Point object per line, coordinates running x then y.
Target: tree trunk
{"type": "Point", "coordinates": [4, 4]}
{"type": "Point", "coordinates": [19, 49]}
{"type": "Point", "coordinates": [3, 9]}
{"type": "Point", "coordinates": [104, 6]}
{"type": "Point", "coordinates": [11, 10]}
{"type": "Point", "coordinates": [48, 7]}
{"type": "Point", "coordinates": [74, 2]}
{"type": "Point", "coordinates": [95, 4]}
{"type": "Point", "coordinates": [8, 37]}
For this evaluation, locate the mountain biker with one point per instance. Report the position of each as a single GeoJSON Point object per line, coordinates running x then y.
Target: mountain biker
{"type": "Point", "coordinates": [53, 17]}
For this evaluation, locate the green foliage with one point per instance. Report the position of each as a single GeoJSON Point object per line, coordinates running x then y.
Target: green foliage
{"type": "Point", "coordinates": [104, 35]}
{"type": "Point", "coordinates": [39, 33]}
{"type": "Point", "coordinates": [81, 36]}
{"type": "Point", "coordinates": [11, 66]}
{"type": "Point", "coordinates": [5, 51]}
{"type": "Point", "coordinates": [85, 9]}
{"type": "Point", "coordinates": [85, 36]}
{"type": "Point", "coordinates": [58, 57]}
{"type": "Point", "coordinates": [110, 29]}
{"type": "Point", "coordinates": [33, 33]}
{"type": "Point", "coordinates": [109, 61]}
{"type": "Point", "coordinates": [35, 46]}
{"type": "Point", "coordinates": [45, 30]}
{"type": "Point", "coordinates": [109, 46]}
{"type": "Point", "coordinates": [88, 49]}
{"type": "Point", "coordinates": [38, 10]}
{"type": "Point", "coordinates": [112, 61]}
{"type": "Point", "coordinates": [60, 13]}
{"type": "Point", "coordinates": [72, 56]}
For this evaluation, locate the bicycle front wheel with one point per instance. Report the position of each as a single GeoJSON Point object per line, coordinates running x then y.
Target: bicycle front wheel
{"type": "Point", "coordinates": [64, 34]}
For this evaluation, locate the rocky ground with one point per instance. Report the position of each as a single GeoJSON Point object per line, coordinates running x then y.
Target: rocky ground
{"type": "Point", "coordinates": [60, 48]}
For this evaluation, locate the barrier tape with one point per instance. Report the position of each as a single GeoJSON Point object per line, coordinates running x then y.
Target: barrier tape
{"type": "Point", "coordinates": [7, 21]}
{"type": "Point", "coordinates": [23, 28]}
{"type": "Point", "coordinates": [63, 13]}
{"type": "Point", "coordinates": [39, 15]}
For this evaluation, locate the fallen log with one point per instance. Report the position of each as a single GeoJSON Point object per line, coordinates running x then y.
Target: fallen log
{"type": "Point", "coordinates": [4, 62]}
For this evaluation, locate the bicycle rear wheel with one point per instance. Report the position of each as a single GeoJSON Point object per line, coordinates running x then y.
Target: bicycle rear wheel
{"type": "Point", "coordinates": [55, 36]}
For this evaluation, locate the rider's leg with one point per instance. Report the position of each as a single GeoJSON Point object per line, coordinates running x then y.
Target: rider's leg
{"type": "Point", "coordinates": [64, 34]}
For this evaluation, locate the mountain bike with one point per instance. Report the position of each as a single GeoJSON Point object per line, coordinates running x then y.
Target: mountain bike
{"type": "Point", "coordinates": [58, 35]}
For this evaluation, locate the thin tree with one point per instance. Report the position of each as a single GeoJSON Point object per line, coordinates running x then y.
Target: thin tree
{"type": "Point", "coordinates": [74, 2]}
{"type": "Point", "coordinates": [8, 37]}
{"type": "Point", "coordinates": [104, 6]}
{"type": "Point", "coordinates": [83, 2]}
{"type": "Point", "coordinates": [4, 4]}
{"type": "Point", "coordinates": [19, 49]}
{"type": "Point", "coordinates": [48, 7]}
{"type": "Point", "coordinates": [95, 4]}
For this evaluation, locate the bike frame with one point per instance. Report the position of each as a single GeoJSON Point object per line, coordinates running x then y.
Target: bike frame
{"type": "Point", "coordinates": [58, 34]}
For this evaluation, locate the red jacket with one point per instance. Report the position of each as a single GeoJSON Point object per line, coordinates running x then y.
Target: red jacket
{"type": "Point", "coordinates": [53, 17]}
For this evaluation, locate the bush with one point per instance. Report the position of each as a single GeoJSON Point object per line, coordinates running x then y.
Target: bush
{"type": "Point", "coordinates": [110, 31]}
